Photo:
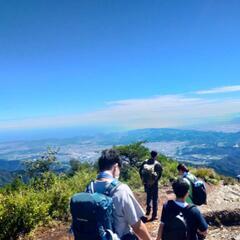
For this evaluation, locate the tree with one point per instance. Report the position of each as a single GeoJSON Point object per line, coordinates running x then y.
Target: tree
{"type": "Point", "coordinates": [76, 166]}
{"type": "Point", "coordinates": [36, 168]}
{"type": "Point", "coordinates": [134, 154]}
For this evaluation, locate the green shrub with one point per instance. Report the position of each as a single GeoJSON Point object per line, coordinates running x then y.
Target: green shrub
{"type": "Point", "coordinates": [169, 169]}
{"type": "Point", "coordinates": [207, 174]}
{"type": "Point", "coordinates": [228, 180]}
{"type": "Point", "coordinates": [59, 199]}
{"type": "Point", "coordinates": [132, 178]}
{"type": "Point", "coordinates": [134, 153]}
{"type": "Point", "coordinates": [44, 199]}
{"type": "Point", "coordinates": [21, 212]}
{"type": "Point", "coordinates": [44, 181]}
{"type": "Point", "coordinates": [63, 189]}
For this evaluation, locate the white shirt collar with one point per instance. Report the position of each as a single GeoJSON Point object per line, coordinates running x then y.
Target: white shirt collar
{"type": "Point", "coordinates": [181, 204]}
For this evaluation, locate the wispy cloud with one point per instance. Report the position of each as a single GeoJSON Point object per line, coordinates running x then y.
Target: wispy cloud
{"type": "Point", "coordinates": [226, 89]}
{"type": "Point", "coordinates": [160, 112]}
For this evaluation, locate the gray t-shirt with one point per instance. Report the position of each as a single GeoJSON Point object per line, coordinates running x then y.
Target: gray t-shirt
{"type": "Point", "coordinates": [127, 211]}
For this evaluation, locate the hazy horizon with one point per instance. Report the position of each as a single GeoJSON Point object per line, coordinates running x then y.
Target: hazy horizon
{"type": "Point", "coordinates": [71, 132]}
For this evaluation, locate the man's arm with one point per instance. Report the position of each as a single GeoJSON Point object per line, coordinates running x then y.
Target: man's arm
{"type": "Point", "coordinates": [160, 231]}
{"type": "Point", "coordinates": [164, 217]}
{"type": "Point", "coordinates": [141, 231]}
{"type": "Point", "coordinates": [158, 170]}
{"type": "Point", "coordinates": [133, 212]}
{"type": "Point", "coordinates": [201, 222]}
{"type": "Point", "coordinates": [140, 169]}
{"type": "Point", "coordinates": [202, 233]}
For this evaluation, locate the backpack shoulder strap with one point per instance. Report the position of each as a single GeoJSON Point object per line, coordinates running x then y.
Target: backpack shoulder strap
{"type": "Point", "coordinates": [190, 180]}
{"type": "Point", "coordinates": [90, 187]}
{"type": "Point", "coordinates": [189, 207]}
{"type": "Point", "coordinates": [110, 187]}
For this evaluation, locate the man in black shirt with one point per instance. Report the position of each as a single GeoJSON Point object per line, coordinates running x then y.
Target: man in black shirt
{"type": "Point", "coordinates": [196, 226]}
{"type": "Point", "coordinates": [150, 173]}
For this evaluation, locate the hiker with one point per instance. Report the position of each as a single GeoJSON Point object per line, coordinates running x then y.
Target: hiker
{"type": "Point", "coordinates": [126, 212]}
{"type": "Point", "coordinates": [150, 173]}
{"type": "Point", "coordinates": [197, 190]}
{"type": "Point", "coordinates": [179, 220]}
{"type": "Point", "coordinates": [188, 177]}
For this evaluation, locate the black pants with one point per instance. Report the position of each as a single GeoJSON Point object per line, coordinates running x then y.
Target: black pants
{"type": "Point", "coordinates": [152, 196]}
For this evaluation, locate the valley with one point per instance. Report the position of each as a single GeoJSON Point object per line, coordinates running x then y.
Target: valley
{"type": "Point", "coordinates": [218, 150]}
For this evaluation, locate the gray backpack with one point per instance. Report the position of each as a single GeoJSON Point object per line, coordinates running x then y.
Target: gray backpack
{"type": "Point", "coordinates": [149, 176]}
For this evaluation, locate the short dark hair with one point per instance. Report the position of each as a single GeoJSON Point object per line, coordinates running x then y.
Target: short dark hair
{"type": "Point", "coordinates": [180, 188]}
{"type": "Point", "coordinates": [108, 158]}
{"type": "Point", "coordinates": [182, 167]}
{"type": "Point", "coordinates": [154, 154]}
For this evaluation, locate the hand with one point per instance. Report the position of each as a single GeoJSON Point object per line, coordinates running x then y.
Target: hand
{"type": "Point", "coordinates": [201, 235]}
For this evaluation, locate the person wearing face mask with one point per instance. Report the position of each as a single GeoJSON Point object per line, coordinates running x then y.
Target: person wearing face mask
{"type": "Point", "coordinates": [127, 212]}
{"type": "Point", "coordinates": [189, 178]}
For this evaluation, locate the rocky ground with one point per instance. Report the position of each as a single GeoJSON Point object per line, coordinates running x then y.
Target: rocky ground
{"type": "Point", "coordinates": [223, 207]}
{"type": "Point", "coordinates": [222, 210]}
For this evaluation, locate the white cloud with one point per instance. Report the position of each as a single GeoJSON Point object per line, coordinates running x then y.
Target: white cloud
{"type": "Point", "coordinates": [157, 112]}
{"type": "Point", "coordinates": [226, 89]}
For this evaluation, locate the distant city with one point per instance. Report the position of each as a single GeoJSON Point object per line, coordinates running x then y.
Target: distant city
{"type": "Point", "coordinates": [214, 149]}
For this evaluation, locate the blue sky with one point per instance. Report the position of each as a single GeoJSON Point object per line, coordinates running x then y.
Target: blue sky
{"type": "Point", "coordinates": [124, 64]}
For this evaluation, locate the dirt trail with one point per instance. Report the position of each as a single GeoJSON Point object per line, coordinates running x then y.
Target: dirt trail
{"type": "Point", "coordinates": [219, 198]}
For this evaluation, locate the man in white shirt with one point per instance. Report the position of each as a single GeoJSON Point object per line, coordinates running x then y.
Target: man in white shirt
{"type": "Point", "coordinates": [127, 211]}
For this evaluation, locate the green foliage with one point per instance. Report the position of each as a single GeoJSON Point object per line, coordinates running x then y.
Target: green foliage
{"type": "Point", "coordinates": [228, 180]}
{"type": "Point", "coordinates": [77, 166]}
{"type": "Point", "coordinates": [59, 199]}
{"type": "Point", "coordinates": [15, 186]}
{"type": "Point", "coordinates": [45, 181]}
{"type": "Point", "coordinates": [43, 199]}
{"type": "Point", "coordinates": [35, 168]}
{"type": "Point", "coordinates": [207, 174]}
{"type": "Point", "coordinates": [130, 175]}
{"type": "Point", "coordinates": [134, 153]}
{"type": "Point", "coordinates": [169, 169]}
{"type": "Point", "coordinates": [21, 212]}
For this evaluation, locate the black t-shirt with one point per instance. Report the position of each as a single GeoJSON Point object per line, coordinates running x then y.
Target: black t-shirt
{"type": "Point", "coordinates": [195, 219]}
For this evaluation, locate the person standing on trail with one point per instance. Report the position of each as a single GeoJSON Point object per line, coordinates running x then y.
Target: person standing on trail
{"type": "Point", "coordinates": [150, 173]}
{"type": "Point", "coordinates": [90, 220]}
{"type": "Point", "coordinates": [179, 220]}
{"type": "Point", "coordinates": [127, 212]}
{"type": "Point", "coordinates": [189, 178]}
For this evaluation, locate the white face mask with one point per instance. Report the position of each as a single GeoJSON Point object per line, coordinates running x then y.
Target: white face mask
{"type": "Point", "coordinates": [116, 173]}
{"type": "Point", "coordinates": [117, 177]}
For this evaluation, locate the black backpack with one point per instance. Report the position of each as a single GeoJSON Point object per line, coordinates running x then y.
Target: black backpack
{"type": "Point", "coordinates": [92, 214]}
{"type": "Point", "coordinates": [176, 228]}
{"type": "Point", "coordinates": [199, 193]}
